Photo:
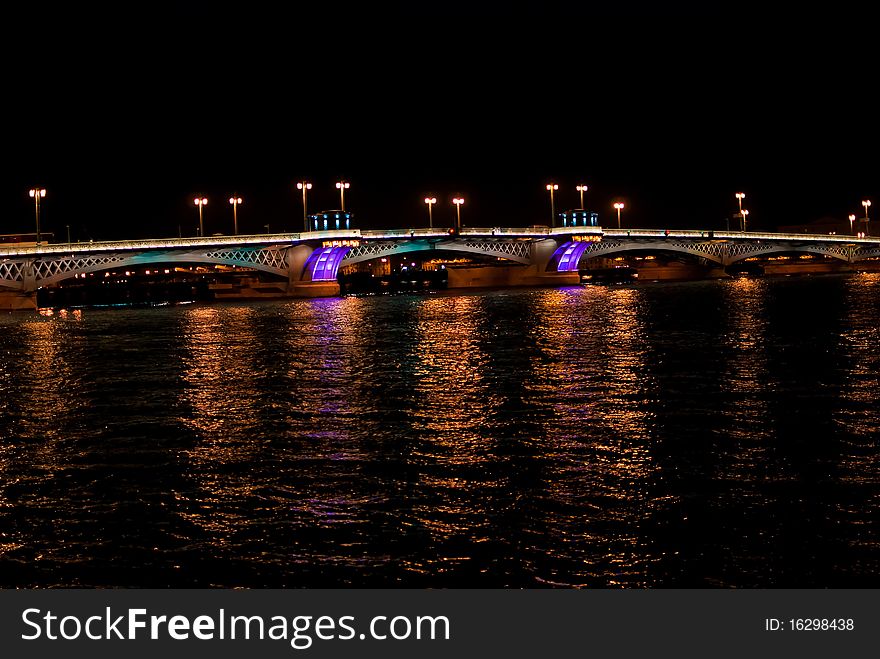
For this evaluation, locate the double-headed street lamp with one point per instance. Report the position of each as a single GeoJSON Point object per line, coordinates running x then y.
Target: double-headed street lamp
{"type": "Point", "coordinates": [235, 201]}
{"type": "Point", "coordinates": [305, 185]}
{"type": "Point", "coordinates": [852, 219]}
{"type": "Point", "coordinates": [739, 198]}
{"type": "Point", "coordinates": [582, 189]}
{"type": "Point", "coordinates": [342, 186]}
{"type": "Point", "coordinates": [201, 202]}
{"type": "Point", "coordinates": [745, 216]}
{"type": "Point", "coordinates": [867, 204]}
{"type": "Point", "coordinates": [458, 201]}
{"type": "Point", "coordinates": [430, 201]}
{"type": "Point", "coordinates": [37, 194]}
{"type": "Point", "coordinates": [552, 187]}
{"type": "Point", "coordinates": [619, 206]}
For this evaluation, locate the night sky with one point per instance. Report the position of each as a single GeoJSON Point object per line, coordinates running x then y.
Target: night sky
{"type": "Point", "coordinates": [125, 113]}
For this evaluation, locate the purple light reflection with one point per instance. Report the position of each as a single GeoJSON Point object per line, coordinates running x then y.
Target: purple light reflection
{"type": "Point", "coordinates": [323, 263]}
{"type": "Point", "coordinates": [568, 256]}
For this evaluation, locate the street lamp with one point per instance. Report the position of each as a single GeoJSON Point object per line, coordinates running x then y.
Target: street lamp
{"type": "Point", "coordinates": [866, 203]}
{"type": "Point", "coordinates": [342, 186]}
{"type": "Point", "coordinates": [305, 185]}
{"type": "Point", "coordinates": [582, 189]}
{"type": "Point", "coordinates": [235, 201]}
{"type": "Point", "coordinates": [37, 194]}
{"type": "Point", "coordinates": [201, 202]}
{"type": "Point", "coordinates": [552, 187]}
{"type": "Point", "coordinates": [852, 219]}
{"type": "Point", "coordinates": [739, 198]}
{"type": "Point", "coordinates": [619, 206]}
{"type": "Point", "coordinates": [430, 201]}
{"type": "Point", "coordinates": [458, 201]}
{"type": "Point", "coordinates": [745, 216]}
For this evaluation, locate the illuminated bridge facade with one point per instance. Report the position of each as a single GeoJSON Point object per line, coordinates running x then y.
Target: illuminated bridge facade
{"type": "Point", "coordinates": [310, 261]}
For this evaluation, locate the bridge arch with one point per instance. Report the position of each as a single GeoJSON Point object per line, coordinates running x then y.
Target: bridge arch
{"type": "Point", "coordinates": [569, 255]}
{"type": "Point", "coordinates": [740, 252]}
{"type": "Point", "coordinates": [46, 272]}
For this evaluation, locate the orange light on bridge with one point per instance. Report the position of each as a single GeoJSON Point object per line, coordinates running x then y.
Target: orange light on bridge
{"type": "Point", "coordinates": [430, 201]}
{"type": "Point", "coordinates": [342, 186]}
{"type": "Point", "coordinates": [235, 201]}
{"type": "Point", "coordinates": [36, 194]}
{"type": "Point", "coordinates": [619, 206]}
{"type": "Point", "coordinates": [458, 201]}
{"type": "Point", "coordinates": [582, 189]}
{"type": "Point", "coordinates": [552, 187]}
{"type": "Point", "coordinates": [304, 185]}
{"type": "Point", "coordinates": [201, 202]}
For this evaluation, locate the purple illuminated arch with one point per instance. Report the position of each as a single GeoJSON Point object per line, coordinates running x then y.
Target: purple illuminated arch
{"type": "Point", "coordinates": [323, 263]}
{"type": "Point", "coordinates": [569, 255]}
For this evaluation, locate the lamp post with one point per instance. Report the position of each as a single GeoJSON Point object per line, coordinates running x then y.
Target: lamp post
{"type": "Point", "coordinates": [551, 187]}
{"type": "Point", "coordinates": [342, 186]}
{"type": "Point", "coordinates": [745, 216]}
{"type": "Point", "coordinates": [235, 201]}
{"type": "Point", "coordinates": [458, 201]}
{"type": "Point", "coordinates": [739, 198]}
{"type": "Point", "coordinates": [201, 202]}
{"type": "Point", "coordinates": [430, 201]}
{"type": "Point", "coordinates": [867, 204]}
{"type": "Point", "coordinates": [852, 219]}
{"type": "Point", "coordinates": [305, 185]}
{"type": "Point", "coordinates": [582, 189]}
{"type": "Point", "coordinates": [619, 206]}
{"type": "Point", "coordinates": [37, 194]}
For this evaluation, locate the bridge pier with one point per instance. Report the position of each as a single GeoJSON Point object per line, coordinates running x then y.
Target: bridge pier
{"type": "Point", "coordinates": [17, 300]}
{"type": "Point", "coordinates": [299, 283]}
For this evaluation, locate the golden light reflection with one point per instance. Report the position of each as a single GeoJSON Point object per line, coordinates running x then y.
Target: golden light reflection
{"type": "Point", "coordinates": [744, 382]}
{"type": "Point", "coordinates": [222, 390]}
{"type": "Point", "coordinates": [452, 401]}
{"type": "Point", "coordinates": [596, 371]}
{"type": "Point", "coordinates": [861, 338]}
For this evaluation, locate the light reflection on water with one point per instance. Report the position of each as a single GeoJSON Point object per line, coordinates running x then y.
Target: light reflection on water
{"type": "Point", "coordinates": [697, 434]}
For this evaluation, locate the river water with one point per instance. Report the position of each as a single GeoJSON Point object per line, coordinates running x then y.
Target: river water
{"type": "Point", "coordinates": [702, 434]}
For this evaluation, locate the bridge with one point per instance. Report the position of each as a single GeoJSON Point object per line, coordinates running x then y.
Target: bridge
{"type": "Point", "coordinates": [310, 261]}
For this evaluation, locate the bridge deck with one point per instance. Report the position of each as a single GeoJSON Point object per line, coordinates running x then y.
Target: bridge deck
{"type": "Point", "coordinates": [263, 240]}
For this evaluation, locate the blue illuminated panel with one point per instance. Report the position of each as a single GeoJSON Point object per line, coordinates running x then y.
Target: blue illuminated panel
{"type": "Point", "coordinates": [569, 255]}
{"type": "Point", "coordinates": [323, 264]}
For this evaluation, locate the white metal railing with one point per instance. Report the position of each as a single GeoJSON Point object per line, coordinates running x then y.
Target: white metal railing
{"type": "Point", "coordinates": [287, 238]}
{"type": "Point", "coordinates": [176, 243]}
{"type": "Point", "coordinates": [736, 235]}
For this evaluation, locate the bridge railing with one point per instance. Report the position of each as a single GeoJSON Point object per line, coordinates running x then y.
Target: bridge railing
{"type": "Point", "coordinates": [55, 249]}
{"type": "Point", "coordinates": [177, 243]}
{"type": "Point", "coordinates": [708, 234]}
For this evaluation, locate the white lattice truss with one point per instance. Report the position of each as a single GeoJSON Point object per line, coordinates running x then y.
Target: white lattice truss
{"type": "Point", "coordinates": [11, 274]}
{"type": "Point", "coordinates": [725, 253]}
{"type": "Point", "coordinates": [513, 250]}
{"type": "Point", "coordinates": [30, 275]}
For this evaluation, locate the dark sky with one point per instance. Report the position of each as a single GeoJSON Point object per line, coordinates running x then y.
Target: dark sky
{"type": "Point", "coordinates": [125, 112]}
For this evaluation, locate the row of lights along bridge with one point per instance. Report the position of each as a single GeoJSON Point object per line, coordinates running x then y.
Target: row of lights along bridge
{"type": "Point", "coordinates": [200, 202]}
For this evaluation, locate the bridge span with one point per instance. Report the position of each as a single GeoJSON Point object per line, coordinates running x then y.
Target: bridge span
{"type": "Point", "coordinates": [310, 261]}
